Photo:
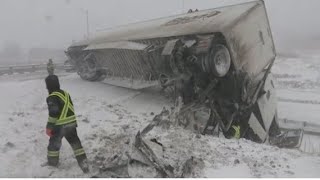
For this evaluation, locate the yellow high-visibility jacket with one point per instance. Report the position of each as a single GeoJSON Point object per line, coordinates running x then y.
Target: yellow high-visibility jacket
{"type": "Point", "coordinates": [64, 110]}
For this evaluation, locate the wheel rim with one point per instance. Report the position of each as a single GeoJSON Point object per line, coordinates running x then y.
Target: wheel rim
{"type": "Point", "coordinates": [221, 61]}
{"type": "Point", "coordinates": [163, 79]}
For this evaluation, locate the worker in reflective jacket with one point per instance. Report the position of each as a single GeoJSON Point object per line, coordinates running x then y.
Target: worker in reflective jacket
{"type": "Point", "coordinates": [62, 123]}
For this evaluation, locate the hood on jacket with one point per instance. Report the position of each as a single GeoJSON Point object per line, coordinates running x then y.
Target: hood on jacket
{"type": "Point", "coordinates": [52, 83]}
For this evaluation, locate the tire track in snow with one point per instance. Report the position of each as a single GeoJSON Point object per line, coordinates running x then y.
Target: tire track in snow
{"type": "Point", "coordinates": [125, 98]}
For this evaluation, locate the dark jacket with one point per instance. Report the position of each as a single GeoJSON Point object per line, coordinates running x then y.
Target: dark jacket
{"type": "Point", "coordinates": [55, 104]}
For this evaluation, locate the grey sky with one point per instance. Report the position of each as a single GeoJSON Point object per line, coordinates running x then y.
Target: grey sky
{"type": "Point", "coordinates": [55, 23]}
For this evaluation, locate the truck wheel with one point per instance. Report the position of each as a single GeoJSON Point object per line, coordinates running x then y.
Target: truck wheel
{"type": "Point", "coordinates": [88, 69]}
{"type": "Point", "coordinates": [218, 61]}
{"type": "Point", "coordinates": [163, 79]}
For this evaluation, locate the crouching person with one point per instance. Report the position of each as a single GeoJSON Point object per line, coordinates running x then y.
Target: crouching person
{"type": "Point", "coordinates": [62, 123]}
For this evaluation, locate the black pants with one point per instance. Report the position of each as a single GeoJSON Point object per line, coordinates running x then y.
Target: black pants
{"type": "Point", "coordinates": [70, 133]}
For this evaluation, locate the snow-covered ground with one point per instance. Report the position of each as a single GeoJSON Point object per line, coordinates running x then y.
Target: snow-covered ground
{"type": "Point", "coordinates": [110, 116]}
{"type": "Point", "coordinates": [299, 88]}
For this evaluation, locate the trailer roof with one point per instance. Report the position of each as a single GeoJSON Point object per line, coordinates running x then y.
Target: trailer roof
{"type": "Point", "coordinates": [205, 21]}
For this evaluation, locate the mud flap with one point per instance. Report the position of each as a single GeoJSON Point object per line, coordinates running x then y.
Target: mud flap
{"type": "Point", "coordinates": [257, 128]}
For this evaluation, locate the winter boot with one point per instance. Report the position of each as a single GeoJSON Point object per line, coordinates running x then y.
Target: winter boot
{"type": "Point", "coordinates": [84, 166]}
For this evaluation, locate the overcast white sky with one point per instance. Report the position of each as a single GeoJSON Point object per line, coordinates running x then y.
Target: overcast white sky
{"type": "Point", "coordinates": [55, 23]}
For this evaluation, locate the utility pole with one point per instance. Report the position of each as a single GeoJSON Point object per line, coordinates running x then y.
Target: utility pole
{"type": "Point", "coordinates": [182, 6]}
{"type": "Point", "coordinates": [87, 14]}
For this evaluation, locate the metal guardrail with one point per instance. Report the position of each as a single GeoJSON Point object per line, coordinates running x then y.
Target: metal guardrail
{"type": "Point", "coordinates": [10, 69]}
{"type": "Point", "coordinates": [309, 128]}
{"type": "Point", "coordinates": [30, 65]}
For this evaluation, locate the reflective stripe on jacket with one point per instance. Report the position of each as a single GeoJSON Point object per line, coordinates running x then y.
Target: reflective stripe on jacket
{"type": "Point", "coordinates": [236, 132]}
{"type": "Point", "coordinates": [67, 110]}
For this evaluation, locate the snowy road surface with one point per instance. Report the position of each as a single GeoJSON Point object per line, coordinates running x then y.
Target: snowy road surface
{"type": "Point", "coordinates": [109, 116]}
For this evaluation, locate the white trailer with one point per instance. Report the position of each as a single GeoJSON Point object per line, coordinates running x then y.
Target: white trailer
{"type": "Point", "coordinates": [219, 59]}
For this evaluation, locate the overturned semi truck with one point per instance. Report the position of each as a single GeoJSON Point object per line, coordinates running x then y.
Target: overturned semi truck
{"type": "Point", "coordinates": [218, 61]}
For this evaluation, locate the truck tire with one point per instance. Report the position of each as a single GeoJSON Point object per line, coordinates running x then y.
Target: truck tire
{"type": "Point", "coordinates": [88, 69]}
{"type": "Point", "coordinates": [217, 61]}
